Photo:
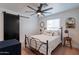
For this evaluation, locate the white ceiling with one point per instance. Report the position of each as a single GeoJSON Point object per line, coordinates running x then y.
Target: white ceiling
{"type": "Point", "coordinates": [22, 7]}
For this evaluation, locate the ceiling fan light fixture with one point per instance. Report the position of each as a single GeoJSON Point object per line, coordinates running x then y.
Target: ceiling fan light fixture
{"type": "Point", "coordinates": [39, 13]}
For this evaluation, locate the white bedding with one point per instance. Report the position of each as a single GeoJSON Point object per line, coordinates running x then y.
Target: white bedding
{"type": "Point", "coordinates": [53, 42]}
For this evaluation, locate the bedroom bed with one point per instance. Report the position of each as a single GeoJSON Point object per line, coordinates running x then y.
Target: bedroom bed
{"type": "Point", "coordinates": [43, 43]}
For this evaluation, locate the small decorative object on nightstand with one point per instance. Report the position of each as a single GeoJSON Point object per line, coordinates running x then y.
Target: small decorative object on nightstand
{"type": "Point", "coordinates": [67, 40]}
{"type": "Point", "coordinates": [40, 31]}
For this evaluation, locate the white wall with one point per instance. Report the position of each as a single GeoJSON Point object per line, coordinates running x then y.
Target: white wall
{"type": "Point", "coordinates": [30, 25]}
{"type": "Point", "coordinates": [74, 33]}
{"type": "Point", "coordinates": [1, 27]}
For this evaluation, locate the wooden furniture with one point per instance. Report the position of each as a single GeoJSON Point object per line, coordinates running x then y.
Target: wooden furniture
{"type": "Point", "coordinates": [67, 40]}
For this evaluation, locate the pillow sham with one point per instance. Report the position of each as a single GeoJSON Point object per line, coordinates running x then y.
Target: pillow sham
{"type": "Point", "coordinates": [47, 32]}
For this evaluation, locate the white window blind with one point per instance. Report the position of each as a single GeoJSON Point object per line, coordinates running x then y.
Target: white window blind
{"type": "Point", "coordinates": [53, 24]}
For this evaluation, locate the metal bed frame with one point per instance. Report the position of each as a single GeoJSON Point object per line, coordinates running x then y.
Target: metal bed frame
{"type": "Point", "coordinates": [42, 43]}
{"type": "Point", "coordinates": [33, 39]}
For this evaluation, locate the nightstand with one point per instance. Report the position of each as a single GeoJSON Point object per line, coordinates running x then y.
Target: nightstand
{"type": "Point", "coordinates": [67, 41]}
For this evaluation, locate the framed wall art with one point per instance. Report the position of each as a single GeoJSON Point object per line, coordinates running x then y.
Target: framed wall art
{"type": "Point", "coordinates": [70, 22]}
{"type": "Point", "coordinates": [42, 24]}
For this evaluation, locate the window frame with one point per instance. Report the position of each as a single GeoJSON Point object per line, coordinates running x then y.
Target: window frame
{"type": "Point", "coordinates": [54, 27]}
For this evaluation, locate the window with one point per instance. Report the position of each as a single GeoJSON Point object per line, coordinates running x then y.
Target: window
{"type": "Point", "coordinates": [53, 24]}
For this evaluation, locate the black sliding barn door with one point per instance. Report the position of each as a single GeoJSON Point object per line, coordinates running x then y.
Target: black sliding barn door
{"type": "Point", "coordinates": [11, 26]}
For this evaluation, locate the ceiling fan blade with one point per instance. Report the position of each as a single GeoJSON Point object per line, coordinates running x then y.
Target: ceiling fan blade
{"type": "Point", "coordinates": [31, 8]}
{"type": "Point", "coordinates": [40, 6]}
{"type": "Point", "coordinates": [47, 9]}
{"type": "Point", "coordinates": [45, 4]}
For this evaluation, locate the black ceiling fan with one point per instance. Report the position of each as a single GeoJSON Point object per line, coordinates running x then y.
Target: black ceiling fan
{"type": "Point", "coordinates": [39, 10]}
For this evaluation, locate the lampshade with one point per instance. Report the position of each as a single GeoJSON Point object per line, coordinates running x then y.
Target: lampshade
{"type": "Point", "coordinates": [66, 31]}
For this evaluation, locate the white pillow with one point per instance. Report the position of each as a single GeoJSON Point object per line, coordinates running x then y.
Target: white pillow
{"type": "Point", "coordinates": [47, 32]}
